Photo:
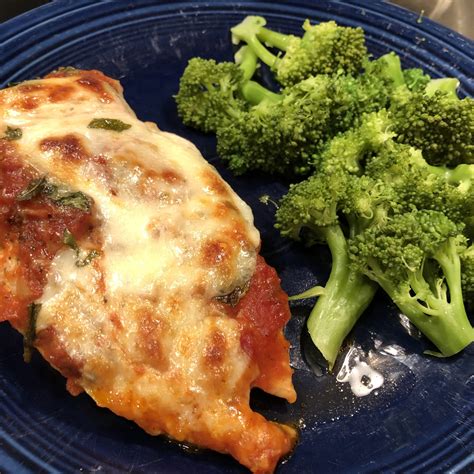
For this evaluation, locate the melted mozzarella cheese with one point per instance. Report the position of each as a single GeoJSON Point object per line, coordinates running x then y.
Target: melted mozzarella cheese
{"type": "Point", "coordinates": [140, 321]}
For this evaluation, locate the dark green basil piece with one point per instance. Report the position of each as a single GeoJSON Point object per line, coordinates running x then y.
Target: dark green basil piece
{"type": "Point", "coordinates": [30, 334]}
{"type": "Point", "coordinates": [77, 199]}
{"type": "Point", "coordinates": [59, 196]}
{"type": "Point", "coordinates": [70, 241]}
{"type": "Point", "coordinates": [12, 133]}
{"type": "Point", "coordinates": [109, 124]}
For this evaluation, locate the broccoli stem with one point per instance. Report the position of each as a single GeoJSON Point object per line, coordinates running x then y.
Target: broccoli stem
{"type": "Point", "coordinates": [461, 174]}
{"type": "Point", "coordinates": [259, 49]}
{"type": "Point", "coordinates": [445, 84]}
{"type": "Point", "coordinates": [254, 93]}
{"type": "Point", "coordinates": [346, 295]}
{"type": "Point", "coordinates": [443, 321]}
{"type": "Point", "coordinates": [392, 68]}
{"type": "Point", "coordinates": [246, 59]}
{"type": "Point", "coordinates": [275, 39]}
{"type": "Point", "coordinates": [247, 31]}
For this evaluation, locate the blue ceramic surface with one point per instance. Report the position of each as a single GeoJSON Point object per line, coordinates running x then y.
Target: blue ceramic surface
{"type": "Point", "coordinates": [421, 420]}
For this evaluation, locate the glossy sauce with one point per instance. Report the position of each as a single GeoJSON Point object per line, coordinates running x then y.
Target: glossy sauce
{"type": "Point", "coordinates": [31, 233]}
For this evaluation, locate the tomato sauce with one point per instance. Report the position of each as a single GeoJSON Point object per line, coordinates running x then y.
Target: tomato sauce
{"type": "Point", "coordinates": [262, 313]}
{"type": "Point", "coordinates": [31, 233]}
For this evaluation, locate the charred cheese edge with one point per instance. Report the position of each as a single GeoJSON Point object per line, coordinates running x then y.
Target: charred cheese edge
{"type": "Point", "coordinates": [145, 328]}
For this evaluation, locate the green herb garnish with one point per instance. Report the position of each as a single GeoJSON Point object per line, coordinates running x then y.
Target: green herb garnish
{"type": "Point", "coordinates": [12, 133]}
{"type": "Point", "coordinates": [70, 241]}
{"type": "Point", "coordinates": [30, 333]}
{"type": "Point", "coordinates": [76, 199]}
{"type": "Point", "coordinates": [81, 259]}
{"type": "Point", "coordinates": [109, 124]}
{"type": "Point", "coordinates": [59, 196]}
{"type": "Point", "coordinates": [35, 188]}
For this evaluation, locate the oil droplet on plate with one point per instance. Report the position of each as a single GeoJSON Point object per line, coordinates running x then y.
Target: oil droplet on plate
{"type": "Point", "coordinates": [362, 378]}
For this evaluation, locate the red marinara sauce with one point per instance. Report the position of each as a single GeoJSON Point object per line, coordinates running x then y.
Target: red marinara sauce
{"type": "Point", "coordinates": [262, 313]}
{"type": "Point", "coordinates": [31, 233]}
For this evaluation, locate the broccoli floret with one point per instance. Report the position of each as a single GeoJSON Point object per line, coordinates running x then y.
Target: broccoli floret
{"type": "Point", "coordinates": [279, 137]}
{"type": "Point", "coordinates": [348, 151]}
{"type": "Point", "coordinates": [423, 186]}
{"type": "Point", "coordinates": [415, 79]}
{"type": "Point", "coordinates": [317, 205]}
{"type": "Point", "coordinates": [325, 48]}
{"type": "Point", "coordinates": [415, 258]}
{"type": "Point", "coordinates": [388, 68]}
{"type": "Point", "coordinates": [440, 125]}
{"type": "Point", "coordinates": [211, 93]}
{"type": "Point", "coordinates": [287, 137]}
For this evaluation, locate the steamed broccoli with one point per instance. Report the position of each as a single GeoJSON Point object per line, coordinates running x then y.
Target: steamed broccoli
{"type": "Point", "coordinates": [317, 205]}
{"type": "Point", "coordinates": [279, 137]}
{"type": "Point", "coordinates": [211, 93]}
{"type": "Point", "coordinates": [415, 79]}
{"type": "Point", "coordinates": [391, 161]}
{"type": "Point", "coordinates": [279, 133]}
{"type": "Point", "coordinates": [438, 123]}
{"type": "Point", "coordinates": [415, 258]}
{"type": "Point", "coordinates": [364, 182]}
{"type": "Point", "coordinates": [325, 48]}
{"type": "Point", "coordinates": [418, 184]}
{"type": "Point", "coordinates": [285, 137]}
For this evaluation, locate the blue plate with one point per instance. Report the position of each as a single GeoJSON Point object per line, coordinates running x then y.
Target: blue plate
{"type": "Point", "coordinates": [421, 420]}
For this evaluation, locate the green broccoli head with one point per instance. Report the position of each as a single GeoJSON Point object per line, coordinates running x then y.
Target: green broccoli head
{"type": "Point", "coordinates": [279, 137]}
{"type": "Point", "coordinates": [313, 204]}
{"type": "Point", "coordinates": [415, 79]}
{"type": "Point", "coordinates": [325, 48]}
{"type": "Point", "coordinates": [348, 151]}
{"type": "Point", "coordinates": [420, 185]}
{"type": "Point", "coordinates": [439, 125]}
{"type": "Point", "coordinates": [415, 258]}
{"type": "Point", "coordinates": [209, 93]}
{"type": "Point", "coordinates": [397, 250]}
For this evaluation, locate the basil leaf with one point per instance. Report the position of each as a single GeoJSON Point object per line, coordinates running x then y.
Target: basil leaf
{"type": "Point", "coordinates": [61, 197]}
{"type": "Point", "coordinates": [12, 133]}
{"type": "Point", "coordinates": [77, 200]}
{"type": "Point", "coordinates": [70, 241]}
{"type": "Point", "coordinates": [35, 188]}
{"type": "Point", "coordinates": [30, 333]}
{"type": "Point", "coordinates": [109, 124]}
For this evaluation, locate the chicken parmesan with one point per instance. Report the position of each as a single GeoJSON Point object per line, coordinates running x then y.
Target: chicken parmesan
{"type": "Point", "coordinates": [133, 268]}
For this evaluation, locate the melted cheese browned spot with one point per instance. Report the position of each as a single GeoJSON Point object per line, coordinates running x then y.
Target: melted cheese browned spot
{"type": "Point", "coordinates": [48, 342]}
{"type": "Point", "coordinates": [68, 147]}
{"type": "Point", "coordinates": [141, 329]}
